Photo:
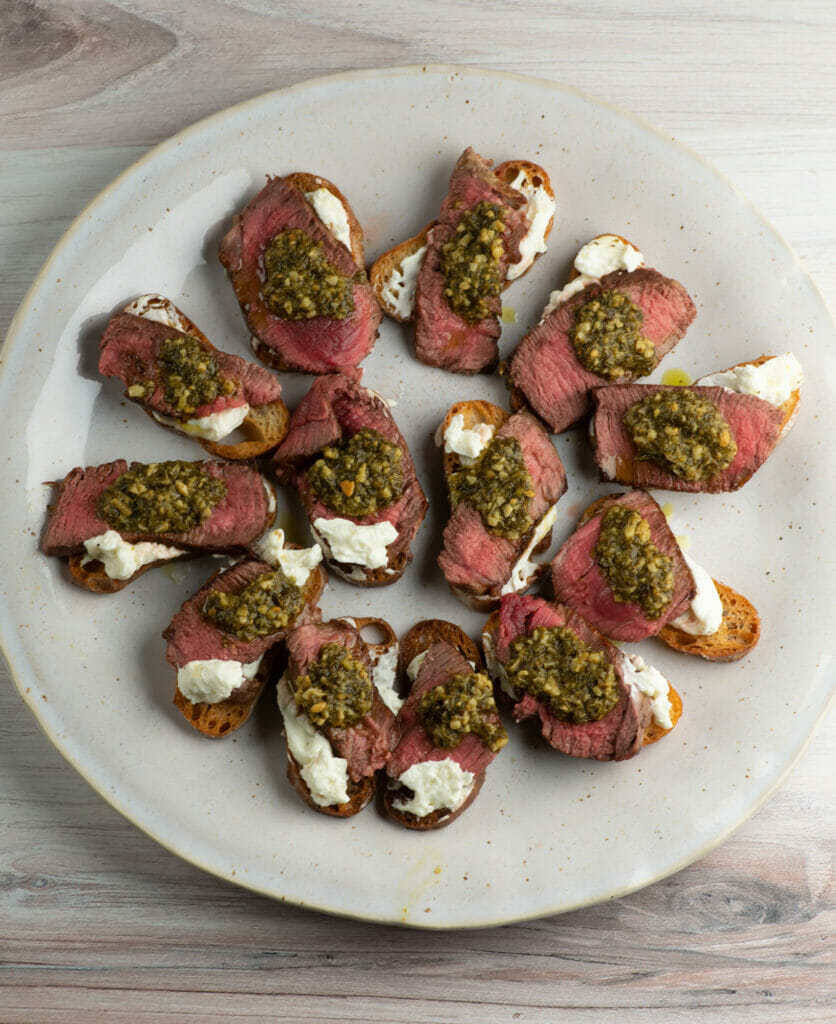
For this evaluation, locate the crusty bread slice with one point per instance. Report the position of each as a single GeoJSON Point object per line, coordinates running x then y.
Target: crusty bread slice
{"type": "Point", "coordinates": [360, 576]}
{"type": "Point", "coordinates": [789, 407]}
{"type": "Point", "coordinates": [224, 717]}
{"type": "Point", "coordinates": [92, 576]}
{"type": "Point", "coordinates": [535, 177]}
{"type": "Point", "coordinates": [264, 426]}
{"type": "Point", "coordinates": [419, 639]}
{"type": "Point", "coordinates": [311, 183]}
{"type": "Point", "coordinates": [738, 633]}
{"type": "Point", "coordinates": [575, 273]}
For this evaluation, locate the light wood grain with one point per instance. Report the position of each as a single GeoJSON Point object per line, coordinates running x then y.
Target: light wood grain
{"type": "Point", "coordinates": [99, 923]}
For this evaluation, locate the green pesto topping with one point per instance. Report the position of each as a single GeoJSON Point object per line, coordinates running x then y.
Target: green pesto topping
{"type": "Point", "coordinates": [359, 476]}
{"type": "Point", "coordinates": [189, 375]}
{"type": "Point", "coordinates": [682, 432]}
{"type": "Point", "coordinates": [162, 497]}
{"type": "Point", "coordinates": [470, 263]}
{"type": "Point", "coordinates": [449, 711]}
{"type": "Point", "coordinates": [337, 691]}
{"type": "Point", "coordinates": [498, 486]}
{"type": "Point", "coordinates": [301, 282]}
{"type": "Point", "coordinates": [577, 684]}
{"type": "Point", "coordinates": [261, 608]}
{"type": "Point", "coordinates": [608, 340]}
{"type": "Point", "coordinates": [636, 571]}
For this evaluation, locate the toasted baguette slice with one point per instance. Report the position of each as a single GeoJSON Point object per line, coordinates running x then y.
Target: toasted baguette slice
{"type": "Point", "coordinates": [360, 576]}
{"type": "Point", "coordinates": [789, 407]}
{"type": "Point", "coordinates": [92, 576]}
{"type": "Point", "coordinates": [264, 426]}
{"type": "Point", "coordinates": [418, 640]}
{"type": "Point", "coordinates": [738, 633]}
{"type": "Point", "coordinates": [395, 289]}
{"type": "Point", "coordinates": [654, 731]}
{"type": "Point", "coordinates": [224, 717]}
{"type": "Point", "coordinates": [312, 183]}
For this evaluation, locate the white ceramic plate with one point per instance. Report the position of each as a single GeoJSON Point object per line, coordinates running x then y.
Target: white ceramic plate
{"type": "Point", "coordinates": [547, 833]}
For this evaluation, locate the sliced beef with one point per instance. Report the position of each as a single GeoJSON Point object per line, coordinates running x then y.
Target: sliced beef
{"type": "Point", "coordinates": [319, 345]}
{"type": "Point", "coordinates": [129, 350]}
{"type": "Point", "coordinates": [234, 524]}
{"type": "Point", "coordinates": [442, 338]}
{"type": "Point", "coordinates": [367, 745]}
{"type": "Point", "coordinates": [472, 556]}
{"type": "Point", "coordinates": [578, 581]}
{"type": "Point", "coordinates": [336, 408]}
{"type": "Point", "coordinates": [192, 638]}
{"type": "Point", "coordinates": [545, 367]}
{"type": "Point", "coordinates": [755, 425]}
{"type": "Point", "coordinates": [616, 736]}
{"type": "Point", "coordinates": [441, 662]}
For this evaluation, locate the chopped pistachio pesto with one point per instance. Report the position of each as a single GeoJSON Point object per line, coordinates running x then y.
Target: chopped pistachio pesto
{"type": "Point", "coordinates": [635, 569]}
{"type": "Point", "coordinates": [161, 497]}
{"type": "Point", "coordinates": [682, 432]}
{"type": "Point", "coordinates": [498, 486]}
{"type": "Point", "coordinates": [189, 375]}
{"type": "Point", "coordinates": [470, 263]}
{"type": "Point", "coordinates": [608, 340]}
{"type": "Point", "coordinates": [463, 704]}
{"type": "Point", "coordinates": [360, 475]}
{"type": "Point", "coordinates": [261, 608]}
{"type": "Point", "coordinates": [577, 684]}
{"type": "Point", "coordinates": [301, 283]}
{"type": "Point", "coordinates": [337, 691]}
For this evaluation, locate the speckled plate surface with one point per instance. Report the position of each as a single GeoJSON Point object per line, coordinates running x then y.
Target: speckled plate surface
{"type": "Point", "coordinates": [547, 833]}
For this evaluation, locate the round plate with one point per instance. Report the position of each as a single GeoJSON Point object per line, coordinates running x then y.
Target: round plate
{"type": "Point", "coordinates": [547, 833]}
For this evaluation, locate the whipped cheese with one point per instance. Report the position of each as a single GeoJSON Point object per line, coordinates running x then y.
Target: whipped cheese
{"type": "Point", "coordinates": [773, 381]}
{"type": "Point", "coordinates": [398, 292]}
{"type": "Point", "coordinates": [653, 684]}
{"type": "Point", "coordinates": [436, 785]}
{"type": "Point", "coordinates": [121, 559]}
{"type": "Point", "coordinates": [413, 668]}
{"type": "Point", "coordinates": [601, 256]}
{"type": "Point", "coordinates": [296, 565]}
{"type": "Point", "coordinates": [355, 544]}
{"type": "Point", "coordinates": [332, 213]}
{"type": "Point", "coordinates": [161, 310]}
{"type": "Point", "coordinates": [213, 680]}
{"type": "Point", "coordinates": [525, 568]}
{"type": "Point", "coordinates": [705, 613]}
{"type": "Point", "coordinates": [539, 212]}
{"type": "Point", "coordinates": [214, 427]}
{"type": "Point", "coordinates": [384, 674]}
{"type": "Point", "coordinates": [466, 442]}
{"type": "Point", "coordinates": [326, 774]}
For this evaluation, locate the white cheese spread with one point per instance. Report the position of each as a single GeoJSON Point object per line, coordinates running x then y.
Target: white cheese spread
{"type": "Point", "coordinates": [326, 774]}
{"type": "Point", "coordinates": [121, 559]}
{"type": "Point", "coordinates": [651, 683]}
{"type": "Point", "coordinates": [436, 785]}
{"type": "Point", "coordinates": [384, 672]}
{"type": "Point", "coordinates": [213, 680]}
{"type": "Point", "coordinates": [398, 291]}
{"type": "Point", "coordinates": [296, 565]}
{"type": "Point", "coordinates": [355, 544]}
{"type": "Point", "coordinates": [525, 567]}
{"type": "Point", "coordinates": [414, 666]}
{"type": "Point", "coordinates": [213, 427]}
{"type": "Point", "coordinates": [601, 256]}
{"type": "Point", "coordinates": [332, 213]}
{"type": "Point", "coordinates": [705, 613]}
{"type": "Point", "coordinates": [773, 381]}
{"type": "Point", "coordinates": [539, 211]}
{"type": "Point", "coordinates": [159, 309]}
{"type": "Point", "coordinates": [466, 442]}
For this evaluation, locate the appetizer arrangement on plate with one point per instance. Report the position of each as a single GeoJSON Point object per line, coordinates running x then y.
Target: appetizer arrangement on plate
{"type": "Point", "coordinates": [417, 721]}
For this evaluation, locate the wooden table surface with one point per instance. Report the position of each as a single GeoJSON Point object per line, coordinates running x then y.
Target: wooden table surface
{"type": "Point", "coordinates": [99, 923]}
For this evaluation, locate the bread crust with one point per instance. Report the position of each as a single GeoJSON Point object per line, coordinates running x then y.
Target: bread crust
{"type": "Point", "coordinates": [92, 576]}
{"type": "Point", "coordinates": [264, 426]}
{"type": "Point", "coordinates": [739, 631]}
{"type": "Point", "coordinates": [307, 182]}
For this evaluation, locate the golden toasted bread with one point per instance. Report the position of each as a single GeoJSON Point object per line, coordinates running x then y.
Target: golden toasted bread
{"type": "Point", "coordinates": [789, 407]}
{"type": "Point", "coordinates": [92, 576]}
{"type": "Point", "coordinates": [312, 183]}
{"type": "Point", "coordinates": [654, 731]}
{"type": "Point", "coordinates": [264, 425]}
{"type": "Point", "coordinates": [738, 633]}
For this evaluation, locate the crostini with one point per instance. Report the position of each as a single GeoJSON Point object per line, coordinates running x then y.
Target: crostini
{"type": "Point", "coordinates": [295, 259]}
{"type": "Point", "coordinates": [223, 642]}
{"type": "Point", "coordinates": [493, 224]}
{"type": "Point", "coordinates": [171, 369]}
{"type": "Point", "coordinates": [504, 478]}
{"type": "Point", "coordinates": [339, 728]}
{"type": "Point", "coordinates": [356, 479]}
{"type": "Point", "coordinates": [114, 522]}
{"type": "Point", "coordinates": [625, 572]}
{"type": "Point", "coordinates": [592, 699]}
{"type": "Point", "coordinates": [612, 323]}
{"type": "Point", "coordinates": [450, 729]}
